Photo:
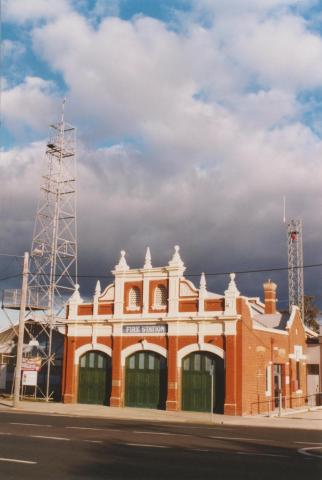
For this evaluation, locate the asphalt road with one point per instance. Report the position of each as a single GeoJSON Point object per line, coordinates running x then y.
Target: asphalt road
{"type": "Point", "coordinates": [45, 447]}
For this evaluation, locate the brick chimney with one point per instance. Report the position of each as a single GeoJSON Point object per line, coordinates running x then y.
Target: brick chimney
{"type": "Point", "coordinates": [270, 296]}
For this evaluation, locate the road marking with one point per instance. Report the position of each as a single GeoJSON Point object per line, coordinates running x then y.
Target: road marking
{"type": "Point", "coordinates": [160, 433]}
{"type": "Point", "coordinates": [262, 454]}
{"type": "Point", "coordinates": [198, 450]}
{"type": "Point", "coordinates": [239, 438]}
{"type": "Point", "coordinates": [93, 441]}
{"type": "Point", "coordinates": [95, 429]}
{"type": "Point", "coordinates": [309, 443]}
{"type": "Point", "coordinates": [5, 433]}
{"type": "Point", "coordinates": [15, 460]}
{"type": "Point", "coordinates": [304, 451]}
{"type": "Point", "coordinates": [30, 424]}
{"type": "Point", "coordinates": [49, 438]}
{"type": "Point", "coordinates": [145, 445]}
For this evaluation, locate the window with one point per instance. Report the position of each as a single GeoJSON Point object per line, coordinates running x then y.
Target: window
{"type": "Point", "coordinates": [298, 375]}
{"type": "Point", "coordinates": [160, 298]}
{"type": "Point", "coordinates": [134, 299]}
{"type": "Point", "coordinates": [313, 369]}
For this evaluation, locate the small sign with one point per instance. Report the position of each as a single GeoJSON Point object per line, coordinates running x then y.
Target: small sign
{"type": "Point", "coordinates": [29, 378]}
{"type": "Point", "coordinates": [3, 375]}
{"type": "Point", "coordinates": [144, 329]}
{"type": "Point", "coordinates": [32, 364]}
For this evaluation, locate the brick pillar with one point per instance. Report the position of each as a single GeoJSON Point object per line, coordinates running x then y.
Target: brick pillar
{"type": "Point", "coordinates": [230, 407]}
{"type": "Point", "coordinates": [70, 377]}
{"type": "Point", "coordinates": [172, 398]}
{"type": "Point", "coordinates": [116, 394]}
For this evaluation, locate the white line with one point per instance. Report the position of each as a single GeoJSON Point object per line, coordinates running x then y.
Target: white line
{"type": "Point", "coordinates": [198, 450]}
{"type": "Point", "coordinates": [5, 433]}
{"type": "Point", "coordinates": [93, 441]}
{"type": "Point", "coordinates": [96, 429]}
{"type": "Point", "coordinates": [14, 460]}
{"type": "Point", "coordinates": [159, 433]}
{"type": "Point", "coordinates": [49, 438]}
{"type": "Point", "coordinates": [262, 454]}
{"type": "Point", "coordinates": [145, 445]}
{"type": "Point", "coordinates": [30, 424]}
{"type": "Point", "coordinates": [240, 438]}
{"type": "Point", "coordinates": [304, 451]}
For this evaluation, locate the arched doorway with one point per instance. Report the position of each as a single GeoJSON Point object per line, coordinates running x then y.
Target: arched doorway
{"type": "Point", "coordinates": [146, 380]}
{"type": "Point", "coordinates": [201, 371]}
{"type": "Point", "coordinates": [94, 378]}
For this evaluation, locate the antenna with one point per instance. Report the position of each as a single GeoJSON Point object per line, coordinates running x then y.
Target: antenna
{"type": "Point", "coordinates": [284, 209]}
{"type": "Point", "coordinates": [295, 265]}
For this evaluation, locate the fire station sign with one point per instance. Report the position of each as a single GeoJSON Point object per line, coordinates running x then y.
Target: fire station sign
{"type": "Point", "coordinates": [144, 329]}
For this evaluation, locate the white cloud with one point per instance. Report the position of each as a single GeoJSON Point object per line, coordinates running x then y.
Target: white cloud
{"type": "Point", "coordinates": [28, 104]}
{"type": "Point", "coordinates": [12, 49]}
{"type": "Point", "coordinates": [215, 126]}
{"type": "Point", "coordinates": [21, 11]}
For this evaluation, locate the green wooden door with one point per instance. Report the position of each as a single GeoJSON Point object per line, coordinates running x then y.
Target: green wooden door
{"type": "Point", "coordinates": [145, 380]}
{"type": "Point", "coordinates": [196, 382]}
{"type": "Point", "coordinates": [94, 378]}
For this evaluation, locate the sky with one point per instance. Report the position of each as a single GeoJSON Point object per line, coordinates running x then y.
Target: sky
{"type": "Point", "coordinates": [194, 119]}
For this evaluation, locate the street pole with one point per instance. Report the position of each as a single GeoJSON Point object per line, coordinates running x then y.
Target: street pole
{"type": "Point", "coordinates": [212, 391]}
{"type": "Point", "coordinates": [23, 301]}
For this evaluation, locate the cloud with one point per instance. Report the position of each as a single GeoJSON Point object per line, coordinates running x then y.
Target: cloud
{"type": "Point", "coordinates": [12, 49]}
{"type": "Point", "coordinates": [29, 104]}
{"type": "Point", "coordinates": [20, 11]}
{"type": "Point", "coordinates": [195, 134]}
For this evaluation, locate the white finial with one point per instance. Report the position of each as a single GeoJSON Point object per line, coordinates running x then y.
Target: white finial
{"type": "Point", "coordinates": [176, 260]}
{"type": "Point", "coordinates": [232, 287]}
{"type": "Point", "coordinates": [76, 298]}
{"type": "Point", "coordinates": [203, 283]}
{"type": "Point", "coordinates": [148, 263]}
{"type": "Point", "coordinates": [98, 288]}
{"type": "Point", "coordinates": [122, 265]}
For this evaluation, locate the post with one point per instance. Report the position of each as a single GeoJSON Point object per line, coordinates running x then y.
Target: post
{"type": "Point", "coordinates": [21, 331]}
{"type": "Point", "coordinates": [212, 369]}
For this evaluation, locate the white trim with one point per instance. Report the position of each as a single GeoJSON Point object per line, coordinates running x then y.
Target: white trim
{"type": "Point", "coordinates": [91, 346]}
{"type": "Point", "coordinates": [138, 347]}
{"type": "Point", "coordinates": [197, 347]}
{"type": "Point", "coordinates": [270, 330]}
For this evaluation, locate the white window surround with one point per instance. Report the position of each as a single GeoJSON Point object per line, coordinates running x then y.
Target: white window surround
{"type": "Point", "coordinates": [134, 299]}
{"type": "Point", "coordinates": [160, 299]}
{"type": "Point", "coordinates": [89, 347]}
{"type": "Point", "coordinates": [138, 347]}
{"type": "Point", "coordinates": [199, 347]}
{"type": "Point", "coordinates": [268, 378]}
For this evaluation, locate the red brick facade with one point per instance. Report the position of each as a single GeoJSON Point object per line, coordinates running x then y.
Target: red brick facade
{"type": "Point", "coordinates": [261, 350]}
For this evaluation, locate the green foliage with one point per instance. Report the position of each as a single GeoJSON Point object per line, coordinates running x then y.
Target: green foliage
{"type": "Point", "coordinates": [311, 312]}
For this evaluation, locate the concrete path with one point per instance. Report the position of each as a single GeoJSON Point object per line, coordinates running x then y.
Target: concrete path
{"type": "Point", "coordinates": [311, 420]}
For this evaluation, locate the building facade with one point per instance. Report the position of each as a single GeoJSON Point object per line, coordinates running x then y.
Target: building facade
{"type": "Point", "coordinates": [153, 339]}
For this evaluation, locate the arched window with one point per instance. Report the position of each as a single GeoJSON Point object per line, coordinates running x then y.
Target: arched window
{"type": "Point", "coordinates": [160, 298]}
{"type": "Point", "coordinates": [134, 299]}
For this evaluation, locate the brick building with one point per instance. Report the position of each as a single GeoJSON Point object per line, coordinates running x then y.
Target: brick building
{"type": "Point", "coordinates": [153, 339]}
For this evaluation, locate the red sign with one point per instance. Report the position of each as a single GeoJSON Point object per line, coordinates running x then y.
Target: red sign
{"type": "Point", "coordinates": [31, 364]}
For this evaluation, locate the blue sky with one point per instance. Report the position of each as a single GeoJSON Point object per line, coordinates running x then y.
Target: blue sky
{"type": "Point", "coordinates": [194, 119]}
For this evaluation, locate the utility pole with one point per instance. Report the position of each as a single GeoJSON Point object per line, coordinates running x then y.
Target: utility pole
{"type": "Point", "coordinates": [21, 331]}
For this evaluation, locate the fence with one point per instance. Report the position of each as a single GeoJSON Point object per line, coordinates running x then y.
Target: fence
{"type": "Point", "coordinates": [281, 403]}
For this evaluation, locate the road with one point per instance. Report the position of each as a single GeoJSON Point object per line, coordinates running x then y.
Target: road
{"type": "Point", "coordinates": [60, 447]}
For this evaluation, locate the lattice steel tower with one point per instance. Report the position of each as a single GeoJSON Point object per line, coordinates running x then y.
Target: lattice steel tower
{"type": "Point", "coordinates": [295, 264]}
{"type": "Point", "coordinates": [53, 258]}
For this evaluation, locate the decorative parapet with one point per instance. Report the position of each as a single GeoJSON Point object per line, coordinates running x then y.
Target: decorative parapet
{"type": "Point", "coordinates": [73, 303]}
{"type": "Point", "coordinates": [231, 295]}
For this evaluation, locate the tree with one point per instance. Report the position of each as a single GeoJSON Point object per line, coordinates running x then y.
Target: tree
{"type": "Point", "coordinates": [311, 312]}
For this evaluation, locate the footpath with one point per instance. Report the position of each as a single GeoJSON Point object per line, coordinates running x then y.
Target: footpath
{"type": "Point", "coordinates": [301, 419]}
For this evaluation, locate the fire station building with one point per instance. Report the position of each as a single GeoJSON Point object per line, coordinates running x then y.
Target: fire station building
{"type": "Point", "coordinates": [153, 339]}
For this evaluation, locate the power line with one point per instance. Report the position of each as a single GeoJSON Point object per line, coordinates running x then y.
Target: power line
{"type": "Point", "coordinates": [209, 274]}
